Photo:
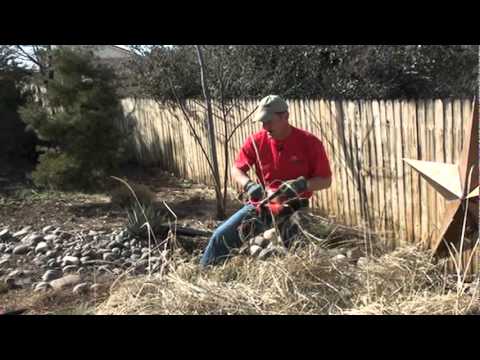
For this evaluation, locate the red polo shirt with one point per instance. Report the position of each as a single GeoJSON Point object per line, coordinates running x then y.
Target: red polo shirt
{"type": "Point", "coordinates": [300, 154]}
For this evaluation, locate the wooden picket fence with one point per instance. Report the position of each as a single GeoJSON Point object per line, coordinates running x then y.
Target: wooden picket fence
{"type": "Point", "coordinates": [365, 140]}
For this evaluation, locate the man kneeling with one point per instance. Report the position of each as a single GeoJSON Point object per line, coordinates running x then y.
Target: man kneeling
{"type": "Point", "coordinates": [280, 154]}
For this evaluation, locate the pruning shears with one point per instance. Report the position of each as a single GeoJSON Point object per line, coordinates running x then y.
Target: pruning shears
{"type": "Point", "coordinates": [274, 207]}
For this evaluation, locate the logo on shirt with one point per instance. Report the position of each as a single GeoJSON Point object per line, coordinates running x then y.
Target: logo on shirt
{"type": "Point", "coordinates": [296, 160]}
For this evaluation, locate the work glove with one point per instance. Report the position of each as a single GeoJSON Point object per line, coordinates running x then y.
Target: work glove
{"type": "Point", "coordinates": [254, 190]}
{"type": "Point", "coordinates": [293, 188]}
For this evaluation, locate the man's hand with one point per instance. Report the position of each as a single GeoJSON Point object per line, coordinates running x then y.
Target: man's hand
{"type": "Point", "coordinates": [254, 190]}
{"type": "Point", "coordinates": [293, 188]}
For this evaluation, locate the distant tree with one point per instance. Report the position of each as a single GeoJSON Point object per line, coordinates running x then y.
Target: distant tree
{"type": "Point", "coordinates": [15, 141]}
{"type": "Point", "coordinates": [80, 122]}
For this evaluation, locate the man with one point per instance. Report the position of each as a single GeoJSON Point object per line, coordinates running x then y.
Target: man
{"type": "Point", "coordinates": [280, 153]}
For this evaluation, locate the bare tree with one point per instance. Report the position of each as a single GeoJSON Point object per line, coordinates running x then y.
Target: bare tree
{"type": "Point", "coordinates": [211, 133]}
{"type": "Point", "coordinates": [172, 81]}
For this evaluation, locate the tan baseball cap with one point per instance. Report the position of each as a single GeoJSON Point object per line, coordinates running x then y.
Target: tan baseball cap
{"type": "Point", "coordinates": [268, 106]}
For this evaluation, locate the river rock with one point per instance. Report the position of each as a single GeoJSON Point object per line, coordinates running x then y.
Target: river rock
{"type": "Point", "coordinates": [80, 288]}
{"type": "Point", "coordinates": [70, 260]}
{"type": "Point", "coordinates": [362, 261]}
{"type": "Point", "coordinates": [266, 253]}
{"type": "Point", "coordinates": [89, 253]}
{"type": "Point", "coordinates": [339, 258]}
{"type": "Point", "coordinates": [42, 247]}
{"type": "Point", "coordinates": [4, 261]}
{"type": "Point", "coordinates": [42, 286]}
{"type": "Point", "coordinates": [69, 268]}
{"type": "Point", "coordinates": [68, 280]}
{"type": "Point", "coordinates": [47, 229]}
{"type": "Point", "coordinates": [20, 249]}
{"type": "Point", "coordinates": [50, 238]}
{"type": "Point", "coordinates": [51, 263]}
{"type": "Point", "coordinates": [104, 269]}
{"type": "Point", "coordinates": [270, 234]}
{"type": "Point", "coordinates": [134, 257]}
{"type": "Point", "coordinates": [109, 256]}
{"type": "Point", "coordinates": [22, 232]}
{"type": "Point", "coordinates": [34, 239]}
{"type": "Point", "coordinates": [50, 254]}
{"type": "Point", "coordinates": [97, 287]}
{"type": "Point", "coordinates": [15, 273]}
{"type": "Point", "coordinates": [4, 235]}
{"type": "Point", "coordinates": [50, 275]}
{"type": "Point", "coordinates": [354, 253]}
{"type": "Point", "coordinates": [260, 241]}
{"type": "Point", "coordinates": [255, 250]}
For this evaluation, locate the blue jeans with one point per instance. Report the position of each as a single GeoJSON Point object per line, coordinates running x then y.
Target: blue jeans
{"type": "Point", "coordinates": [226, 237]}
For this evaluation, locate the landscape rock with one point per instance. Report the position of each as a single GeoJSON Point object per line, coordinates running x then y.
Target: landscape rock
{"type": "Point", "coordinates": [134, 257]}
{"type": "Point", "coordinates": [51, 263]}
{"type": "Point", "coordinates": [88, 253]}
{"type": "Point", "coordinates": [42, 286]}
{"type": "Point", "coordinates": [255, 250]}
{"type": "Point", "coordinates": [354, 253]}
{"type": "Point", "coordinates": [362, 261]}
{"type": "Point", "coordinates": [15, 273]}
{"type": "Point", "coordinates": [33, 239]}
{"type": "Point", "coordinates": [270, 234]}
{"type": "Point", "coordinates": [80, 288]}
{"type": "Point", "coordinates": [70, 260]}
{"type": "Point", "coordinates": [50, 275]}
{"type": "Point", "coordinates": [51, 238]}
{"type": "Point", "coordinates": [97, 287]}
{"type": "Point", "coordinates": [22, 232]}
{"type": "Point", "coordinates": [144, 256]}
{"type": "Point", "coordinates": [69, 268]}
{"type": "Point", "coordinates": [42, 247]}
{"type": "Point", "coordinates": [51, 254]}
{"type": "Point", "coordinates": [68, 280]}
{"type": "Point", "coordinates": [4, 261]}
{"type": "Point", "coordinates": [104, 269]}
{"type": "Point", "coordinates": [109, 257]}
{"type": "Point", "coordinates": [260, 241]}
{"type": "Point", "coordinates": [339, 258]}
{"type": "Point", "coordinates": [47, 229]}
{"type": "Point", "coordinates": [4, 234]}
{"type": "Point", "coordinates": [20, 249]}
{"type": "Point", "coordinates": [266, 253]}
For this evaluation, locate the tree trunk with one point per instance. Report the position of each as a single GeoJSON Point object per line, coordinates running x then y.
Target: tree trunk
{"type": "Point", "coordinates": [211, 135]}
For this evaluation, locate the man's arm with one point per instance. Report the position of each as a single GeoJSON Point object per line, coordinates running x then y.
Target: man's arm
{"type": "Point", "coordinates": [239, 176]}
{"type": "Point", "coordinates": [318, 183]}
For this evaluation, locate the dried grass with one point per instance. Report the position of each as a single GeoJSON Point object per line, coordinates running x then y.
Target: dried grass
{"type": "Point", "coordinates": [306, 282]}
